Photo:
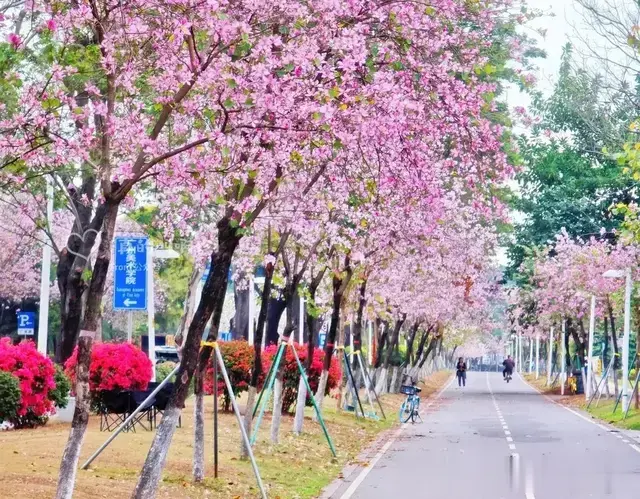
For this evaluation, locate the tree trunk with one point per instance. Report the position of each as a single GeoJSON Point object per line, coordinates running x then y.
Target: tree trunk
{"type": "Point", "coordinates": [198, 430]}
{"type": "Point", "coordinates": [257, 356]}
{"type": "Point", "coordinates": [189, 307]}
{"type": "Point", "coordinates": [339, 284]}
{"type": "Point", "coordinates": [311, 327]}
{"type": "Point", "coordinates": [430, 348]}
{"type": "Point", "coordinates": [278, 391]}
{"type": "Point", "coordinates": [382, 342]}
{"type": "Point", "coordinates": [68, 467]}
{"type": "Point", "coordinates": [410, 341]}
{"type": "Point", "coordinates": [240, 321]}
{"type": "Point", "coordinates": [394, 340]}
{"type": "Point", "coordinates": [423, 342]}
{"type": "Point", "coordinates": [72, 288]}
{"type": "Point", "coordinates": [211, 304]}
{"type": "Point", "coordinates": [357, 327]}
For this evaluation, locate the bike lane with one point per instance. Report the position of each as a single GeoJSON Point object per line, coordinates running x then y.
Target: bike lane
{"type": "Point", "coordinates": [458, 451]}
{"type": "Point", "coordinates": [563, 452]}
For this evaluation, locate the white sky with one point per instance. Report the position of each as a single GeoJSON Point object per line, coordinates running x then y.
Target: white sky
{"type": "Point", "coordinates": [559, 25]}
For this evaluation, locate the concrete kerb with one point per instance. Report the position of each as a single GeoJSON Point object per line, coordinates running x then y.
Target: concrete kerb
{"type": "Point", "coordinates": [373, 452]}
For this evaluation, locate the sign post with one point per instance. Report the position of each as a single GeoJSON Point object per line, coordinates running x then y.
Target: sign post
{"type": "Point", "coordinates": [26, 323]}
{"type": "Point", "coordinates": [130, 276]}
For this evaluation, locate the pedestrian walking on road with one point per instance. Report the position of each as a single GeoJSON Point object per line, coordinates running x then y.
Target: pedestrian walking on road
{"type": "Point", "coordinates": [461, 372]}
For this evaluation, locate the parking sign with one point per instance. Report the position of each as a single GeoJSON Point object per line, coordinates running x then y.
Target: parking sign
{"type": "Point", "coordinates": [26, 323]}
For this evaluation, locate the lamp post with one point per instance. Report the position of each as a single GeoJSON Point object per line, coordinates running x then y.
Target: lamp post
{"type": "Point", "coordinates": [616, 274]}
{"type": "Point", "coordinates": [161, 254]}
{"type": "Point", "coordinates": [45, 274]}
{"type": "Point", "coordinates": [592, 327]}
{"type": "Point", "coordinates": [550, 357]}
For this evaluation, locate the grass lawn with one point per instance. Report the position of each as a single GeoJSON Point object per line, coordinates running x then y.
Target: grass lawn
{"type": "Point", "coordinates": [604, 411]}
{"type": "Point", "coordinates": [298, 467]}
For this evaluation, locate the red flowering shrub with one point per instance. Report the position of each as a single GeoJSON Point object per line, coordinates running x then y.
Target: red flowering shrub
{"type": "Point", "coordinates": [36, 374]}
{"type": "Point", "coordinates": [114, 366]}
{"type": "Point", "coordinates": [238, 359]}
{"type": "Point", "coordinates": [292, 373]}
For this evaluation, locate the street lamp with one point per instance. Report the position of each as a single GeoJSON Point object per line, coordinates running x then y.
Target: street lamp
{"type": "Point", "coordinates": [617, 274]}
{"type": "Point", "coordinates": [160, 254]}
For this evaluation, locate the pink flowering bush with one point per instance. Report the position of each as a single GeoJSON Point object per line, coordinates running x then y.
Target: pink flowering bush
{"type": "Point", "coordinates": [114, 366]}
{"type": "Point", "coordinates": [36, 375]}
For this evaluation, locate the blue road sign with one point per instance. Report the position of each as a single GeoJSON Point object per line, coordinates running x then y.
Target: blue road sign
{"type": "Point", "coordinates": [130, 278]}
{"type": "Point", "coordinates": [26, 323]}
{"type": "Point", "coordinates": [225, 336]}
{"type": "Point", "coordinates": [321, 339]}
{"type": "Point", "coordinates": [207, 270]}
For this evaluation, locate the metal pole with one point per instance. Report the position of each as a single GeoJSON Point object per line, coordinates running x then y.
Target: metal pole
{"type": "Point", "coordinates": [635, 387]}
{"type": "Point", "coordinates": [564, 355]}
{"type": "Point", "coordinates": [530, 355]}
{"type": "Point", "coordinates": [264, 388]}
{"type": "Point", "coordinates": [215, 416]}
{"type": "Point", "coordinates": [301, 321]}
{"type": "Point", "coordinates": [550, 357]}
{"type": "Point", "coordinates": [370, 344]}
{"type": "Point", "coordinates": [313, 401]}
{"type": "Point", "coordinates": [252, 309]}
{"type": "Point", "coordinates": [271, 382]}
{"type": "Point", "coordinates": [604, 379]}
{"type": "Point", "coordinates": [366, 380]}
{"type": "Point", "coordinates": [352, 381]}
{"type": "Point", "coordinates": [126, 422]}
{"type": "Point", "coordinates": [537, 355]}
{"type": "Point", "coordinates": [373, 390]}
{"type": "Point", "coordinates": [45, 276]}
{"type": "Point", "coordinates": [151, 310]}
{"type": "Point", "coordinates": [592, 327]}
{"type": "Point", "coordinates": [236, 409]}
{"type": "Point", "coordinates": [625, 341]}
{"type": "Point", "coordinates": [129, 326]}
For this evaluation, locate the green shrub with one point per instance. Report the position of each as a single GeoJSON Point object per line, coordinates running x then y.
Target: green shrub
{"type": "Point", "coordinates": [163, 370]}
{"type": "Point", "coordinates": [9, 396]}
{"type": "Point", "coordinates": [60, 394]}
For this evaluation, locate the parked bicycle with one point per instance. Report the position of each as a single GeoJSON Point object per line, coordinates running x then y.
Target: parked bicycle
{"type": "Point", "coordinates": [411, 405]}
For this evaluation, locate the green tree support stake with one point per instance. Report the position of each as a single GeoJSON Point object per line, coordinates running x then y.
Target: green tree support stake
{"type": "Point", "coordinates": [354, 389]}
{"type": "Point", "coordinates": [271, 382]}
{"type": "Point", "coordinates": [257, 404]}
{"type": "Point", "coordinates": [313, 401]}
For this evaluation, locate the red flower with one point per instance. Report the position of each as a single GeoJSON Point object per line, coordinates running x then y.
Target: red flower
{"type": "Point", "coordinates": [35, 373]}
{"type": "Point", "coordinates": [114, 366]}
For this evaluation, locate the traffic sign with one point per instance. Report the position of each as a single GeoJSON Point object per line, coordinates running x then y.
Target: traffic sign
{"type": "Point", "coordinates": [130, 273]}
{"type": "Point", "coordinates": [26, 323]}
{"type": "Point", "coordinates": [225, 336]}
{"type": "Point", "coordinates": [321, 339]}
{"type": "Point", "coordinates": [207, 270]}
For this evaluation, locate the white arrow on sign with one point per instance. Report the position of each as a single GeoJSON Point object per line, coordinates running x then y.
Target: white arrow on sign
{"type": "Point", "coordinates": [127, 302]}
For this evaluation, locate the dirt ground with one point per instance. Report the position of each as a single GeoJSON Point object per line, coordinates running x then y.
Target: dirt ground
{"type": "Point", "coordinates": [298, 467]}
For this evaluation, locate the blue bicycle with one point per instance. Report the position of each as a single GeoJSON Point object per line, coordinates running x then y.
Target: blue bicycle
{"type": "Point", "coordinates": [411, 405]}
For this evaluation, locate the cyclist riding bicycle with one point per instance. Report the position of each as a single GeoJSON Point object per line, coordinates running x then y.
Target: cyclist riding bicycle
{"type": "Point", "coordinates": [508, 364]}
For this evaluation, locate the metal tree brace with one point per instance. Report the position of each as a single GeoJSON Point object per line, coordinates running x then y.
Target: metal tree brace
{"type": "Point", "coordinates": [367, 383]}
{"type": "Point", "coordinates": [234, 403]}
{"type": "Point", "coordinates": [265, 394]}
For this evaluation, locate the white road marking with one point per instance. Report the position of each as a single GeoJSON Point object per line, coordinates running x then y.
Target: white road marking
{"type": "Point", "coordinates": [515, 457]}
{"type": "Point", "coordinates": [367, 469]}
{"type": "Point", "coordinates": [575, 413]}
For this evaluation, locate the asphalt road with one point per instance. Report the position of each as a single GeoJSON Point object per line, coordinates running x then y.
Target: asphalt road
{"type": "Point", "coordinates": [495, 440]}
